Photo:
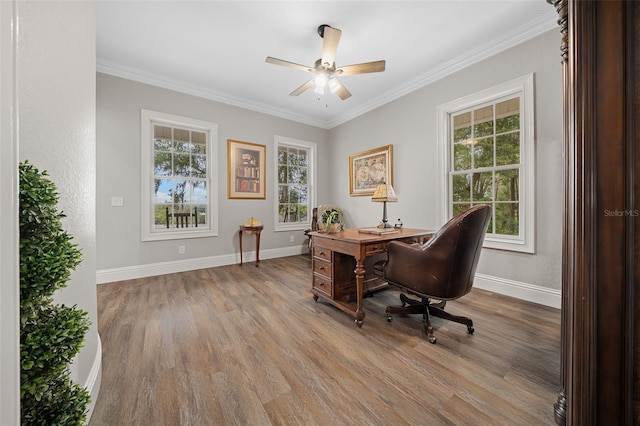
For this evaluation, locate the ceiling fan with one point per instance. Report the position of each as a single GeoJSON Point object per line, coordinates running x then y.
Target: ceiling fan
{"type": "Point", "coordinates": [325, 69]}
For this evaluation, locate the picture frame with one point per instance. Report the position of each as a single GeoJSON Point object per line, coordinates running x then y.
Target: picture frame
{"type": "Point", "coordinates": [370, 168]}
{"type": "Point", "coordinates": [246, 170]}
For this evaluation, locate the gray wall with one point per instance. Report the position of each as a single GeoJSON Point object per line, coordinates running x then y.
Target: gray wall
{"type": "Point", "coordinates": [56, 65]}
{"type": "Point", "coordinates": [410, 124]}
{"type": "Point", "coordinates": [118, 153]}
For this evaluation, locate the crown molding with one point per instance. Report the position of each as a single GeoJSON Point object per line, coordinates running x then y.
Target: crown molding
{"type": "Point", "coordinates": [141, 76]}
{"type": "Point", "coordinates": [537, 27]}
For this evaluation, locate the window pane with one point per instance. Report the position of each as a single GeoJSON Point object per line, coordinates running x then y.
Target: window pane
{"type": "Point", "coordinates": [162, 163]}
{"type": "Point", "coordinates": [507, 218]}
{"type": "Point", "coordinates": [461, 188]}
{"type": "Point", "coordinates": [462, 156]}
{"type": "Point", "coordinates": [163, 190]}
{"type": "Point", "coordinates": [303, 194]}
{"type": "Point", "coordinates": [461, 127]}
{"type": "Point", "coordinates": [283, 194]}
{"type": "Point", "coordinates": [303, 213]}
{"type": "Point", "coordinates": [199, 148]}
{"type": "Point", "coordinates": [282, 174]}
{"type": "Point", "coordinates": [181, 165]}
{"type": "Point", "coordinates": [199, 166]}
{"type": "Point", "coordinates": [282, 156]}
{"type": "Point", "coordinates": [199, 192]}
{"type": "Point", "coordinates": [482, 184]}
{"type": "Point", "coordinates": [303, 158]}
{"type": "Point", "coordinates": [507, 186]}
{"type": "Point", "coordinates": [160, 216]}
{"type": "Point", "coordinates": [163, 145]}
{"type": "Point", "coordinates": [294, 175]}
{"type": "Point", "coordinates": [202, 214]}
{"type": "Point", "coordinates": [508, 149]}
{"type": "Point", "coordinates": [483, 152]}
{"type": "Point", "coordinates": [183, 146]}
{"type": "Point", "coordinates": [483, 122]}
{"type": "Point", "coordinates": [294, 195]}
{"type": "Point", "coordinates": [508, 115]}
{"type": "Point", "coordinates": [181, 192]}
{"type": "Point", "coordinates": [181, 135]}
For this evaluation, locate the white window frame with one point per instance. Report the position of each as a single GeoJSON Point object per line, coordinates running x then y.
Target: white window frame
{"type": "Point", "coordinates": [523, 86]}
{"type": "Point", "coordinates": [149, 233]}
{"type": "Point", "coordinates": [311, 178]}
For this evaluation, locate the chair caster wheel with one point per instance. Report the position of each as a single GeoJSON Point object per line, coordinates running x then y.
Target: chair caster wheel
{"type": "Point", "coordinates": [389, 318]}
{"type": "Point", "coordinates": [432, 339]}
{"type": "Point", "coordinates": [470, 329]}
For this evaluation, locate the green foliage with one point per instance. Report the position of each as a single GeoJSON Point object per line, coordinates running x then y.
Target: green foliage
{"type": "Point", "coordinates": [50, 335]}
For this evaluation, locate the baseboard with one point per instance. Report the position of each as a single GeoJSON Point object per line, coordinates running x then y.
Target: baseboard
{"type": "Point", "coordinates": [94, 379]}
{"type": "Point", "coordinates": [153, 269]}
{"type": "Point", "coordinates": [532, 293]}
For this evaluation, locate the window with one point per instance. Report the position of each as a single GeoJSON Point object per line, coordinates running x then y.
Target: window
{"type": "Point", "coordinates": [487, 151]}
{"type": "Point", "coordinates": [294, 165]}
{"type": "Point", "coordinates": [178, 177]}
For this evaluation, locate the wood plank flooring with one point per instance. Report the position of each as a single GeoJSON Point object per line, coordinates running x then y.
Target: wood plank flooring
{"type": "Point", "coordinates": [240, 345]}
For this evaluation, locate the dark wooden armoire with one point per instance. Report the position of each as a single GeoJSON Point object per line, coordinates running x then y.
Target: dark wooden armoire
{"type": "Point", "coordinates": [601, 295]}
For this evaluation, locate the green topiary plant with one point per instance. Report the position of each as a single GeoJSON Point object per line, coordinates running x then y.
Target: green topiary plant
{"type": "Point", "coordinates": [50, 334]}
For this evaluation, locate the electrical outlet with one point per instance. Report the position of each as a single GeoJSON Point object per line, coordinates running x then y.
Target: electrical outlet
{"type": "Point", "coordinates": [182, 250]}
{"type": "Point", "coordinates": [291, 239]}
{"type": "Point", "coordinates": [117, 201]}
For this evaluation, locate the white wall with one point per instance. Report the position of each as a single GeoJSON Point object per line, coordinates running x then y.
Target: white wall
{"type": "Point", "coordinates": [120, 250]}
{"type": "Point", "coordinates": [56, 64]}
{"type": "Point", "coordinates": [9, 272]}
{"type": "Point", "coordinates": [410, 124]}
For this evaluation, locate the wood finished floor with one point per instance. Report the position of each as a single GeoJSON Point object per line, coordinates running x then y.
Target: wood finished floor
{"type": "Point", "coordinates": [240, 345]}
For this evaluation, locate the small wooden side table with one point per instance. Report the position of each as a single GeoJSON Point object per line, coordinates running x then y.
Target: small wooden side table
{"type": "Point", "coordinates": [251, 230]}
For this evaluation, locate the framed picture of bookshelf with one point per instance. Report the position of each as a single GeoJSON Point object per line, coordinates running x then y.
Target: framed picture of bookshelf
{"type": "Point", "coordinates": [246, 169]}
{"type": "Point", "coordinates": [370, 168]}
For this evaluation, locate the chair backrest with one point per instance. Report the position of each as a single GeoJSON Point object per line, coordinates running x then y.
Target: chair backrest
{"type": "Point", "coordinates": [444, 266]}
{"type": "Point", "coordinates": [182, 219]}
{"type": "Point", "coordinates": [458, 244]}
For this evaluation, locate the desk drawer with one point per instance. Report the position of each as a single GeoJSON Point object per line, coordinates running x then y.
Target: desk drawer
{"type": "Point", "coordinates": [373, 248]}
{"type": "Point", "coordinates": [323, 284]}
{"type": "Point", "coordinates": [322, 253]}
{"type": "Point", "coordinates": [323, 268]}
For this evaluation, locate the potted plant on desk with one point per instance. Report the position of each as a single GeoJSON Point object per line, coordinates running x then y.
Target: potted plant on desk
{"type": "Point", "coordinates": [330, 219]}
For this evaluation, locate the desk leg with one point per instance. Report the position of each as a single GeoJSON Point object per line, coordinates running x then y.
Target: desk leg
{"type": "Point", "coordinates": [240, 237]}
{"type": "Point", "coordinates": [359, 271]}
{"type": "Point", "coordinates": [257, 248]}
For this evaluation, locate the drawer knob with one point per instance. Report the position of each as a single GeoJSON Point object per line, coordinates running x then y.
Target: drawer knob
{"type": "Point", "coordinates": [321, 253]}
{"type": "Point", "coordinates": [321, 268]}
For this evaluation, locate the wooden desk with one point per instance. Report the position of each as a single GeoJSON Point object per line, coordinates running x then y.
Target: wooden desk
{"type": "Point", "coordinates": [339, 259]}
{"type": "Point", "coordinates": [251, 230]}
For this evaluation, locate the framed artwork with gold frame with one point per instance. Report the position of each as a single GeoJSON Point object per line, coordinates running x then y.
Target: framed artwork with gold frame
{"type": "Point", "coordinates": [370, 168]}
{"type": "Point", "coordinates": [246, 170]}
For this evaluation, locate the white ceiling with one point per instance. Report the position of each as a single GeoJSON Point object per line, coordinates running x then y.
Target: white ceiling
{"type": "Point", "coordinates": [217, 49]}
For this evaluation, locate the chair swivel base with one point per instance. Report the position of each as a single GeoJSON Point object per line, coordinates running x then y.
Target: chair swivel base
{"type": "Point", "coordinates": [424, 307]}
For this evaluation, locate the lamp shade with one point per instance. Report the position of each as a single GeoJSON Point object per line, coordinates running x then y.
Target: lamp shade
{"type": "Point", "coordinates": [384, 192]}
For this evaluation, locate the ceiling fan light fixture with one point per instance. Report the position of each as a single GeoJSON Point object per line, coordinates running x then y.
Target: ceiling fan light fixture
{"type": "Point", "coordinates": [320, 84]}
{"type": "Point", "coordinates": [334, 85]}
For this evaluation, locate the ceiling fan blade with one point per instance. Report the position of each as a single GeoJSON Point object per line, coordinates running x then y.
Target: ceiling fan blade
{"type": "Point", "coordinates": [367, 67]}
{"type": "Point", "coordinates": [330, 45]}
{"type": "Point", "coordinates": [277, 61]}
{"type": "Point", "coordinates": [303, 88]}
{"type": "Point", "coordinates": [342, 92]}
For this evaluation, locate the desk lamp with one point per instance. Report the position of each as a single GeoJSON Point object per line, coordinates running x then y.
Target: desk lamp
{"type": "Point", "coordinates": [384, 193]}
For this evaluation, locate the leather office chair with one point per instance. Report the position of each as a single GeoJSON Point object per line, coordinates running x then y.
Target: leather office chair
{"type": "Point", "coordinates": [443, 268]}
